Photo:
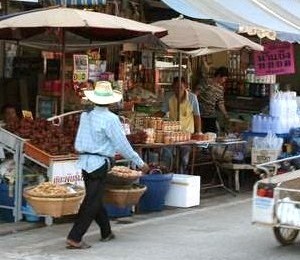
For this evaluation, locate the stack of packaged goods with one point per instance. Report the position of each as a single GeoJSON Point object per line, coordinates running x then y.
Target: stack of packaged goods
{"type": "Point", "coordinates": [160, 131]}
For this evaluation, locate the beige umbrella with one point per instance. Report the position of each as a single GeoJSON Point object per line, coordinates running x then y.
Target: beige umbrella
{"type": "Point", "coordinates": [185, 34]}
{"type": "Point", "coordinates": [58, 21]}
{"type": "Point", "coordinates": [73, 42]}
{"type": "Point", "coordinates": [200, 39]}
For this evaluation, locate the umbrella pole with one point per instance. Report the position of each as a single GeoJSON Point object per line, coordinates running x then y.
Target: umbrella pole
{"type": "Point", "coordinates": [63, 66]}
{"type": "Point", "coordinates": [180, 76]}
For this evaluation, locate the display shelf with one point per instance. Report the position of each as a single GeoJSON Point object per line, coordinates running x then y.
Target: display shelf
{"type": "Point", "coordinates": [14, 145]}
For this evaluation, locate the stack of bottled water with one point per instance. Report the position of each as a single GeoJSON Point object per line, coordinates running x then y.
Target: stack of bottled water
{"type": "Point", "coordinates": [283, 115]}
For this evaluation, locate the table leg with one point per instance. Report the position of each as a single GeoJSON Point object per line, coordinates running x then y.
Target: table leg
{"type": "Point", "coordinates": [219, 175]}
{"type": "Point", "coordinates": [193, 159]}
{"type": "Point", "coordinates": [177, 159]}
{"type": "Point", "coordinates": [237, 180]}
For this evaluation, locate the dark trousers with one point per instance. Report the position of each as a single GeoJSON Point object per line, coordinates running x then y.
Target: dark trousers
{"type": "Point", "coordinates": [209, 124]}
{"type": "Point", "coordinates": [92, 206]}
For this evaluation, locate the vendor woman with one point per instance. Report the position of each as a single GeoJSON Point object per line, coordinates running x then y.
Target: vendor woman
{"type": "Point", "coordinates": [9, 114]}
{"type": "Point", "coordinates": [189, 115]}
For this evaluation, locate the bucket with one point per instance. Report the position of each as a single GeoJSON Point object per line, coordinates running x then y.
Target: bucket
{"type": "Point", "coordinates": [117, 212]}
{"type": "Point", "coordinates": [5, 200]}
{"type": "Point", "coordinates": [157, 187]}
{"type": "Point", "coordinates": [30, 214]}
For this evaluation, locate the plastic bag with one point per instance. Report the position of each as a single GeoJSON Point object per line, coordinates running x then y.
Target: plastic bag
{"type": "Point", "coordinates": [8, 170]}
{"type": "Point", "coordinates": [271, 141]}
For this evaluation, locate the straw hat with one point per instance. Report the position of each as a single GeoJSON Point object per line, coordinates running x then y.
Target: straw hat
{"type": "Point", "coordinates": [103, 94]}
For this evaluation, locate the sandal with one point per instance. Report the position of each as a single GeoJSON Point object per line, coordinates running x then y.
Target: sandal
{"type": "Point", "coordinates": [81, 245]}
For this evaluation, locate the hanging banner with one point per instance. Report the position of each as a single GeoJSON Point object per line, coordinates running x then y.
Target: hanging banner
{"type": "Point", "coordinates": [277, 58]}
{"type": "Point", "coordinates": [81, 68]}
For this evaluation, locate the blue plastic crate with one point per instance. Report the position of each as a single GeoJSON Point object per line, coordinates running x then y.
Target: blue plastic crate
{"type": "Point", "coordinates": [6, 214]}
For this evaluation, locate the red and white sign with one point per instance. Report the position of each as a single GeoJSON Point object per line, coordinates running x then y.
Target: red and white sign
{"type": "Point", "coordinates": [66, 172]}
{"type": "Point", "coordinates": [277, 58]}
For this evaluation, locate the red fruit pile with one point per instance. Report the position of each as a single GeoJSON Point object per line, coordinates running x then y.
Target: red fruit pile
{"type": "Point", "coordinates": [139, 137]}
{"type": "Point", "coordinates": [55, 140]}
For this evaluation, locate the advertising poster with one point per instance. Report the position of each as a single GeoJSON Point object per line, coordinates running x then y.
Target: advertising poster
{"type": "Point", "coordinates": [277, 58]}
{"type": "Point", "coordinates": [81, 68]}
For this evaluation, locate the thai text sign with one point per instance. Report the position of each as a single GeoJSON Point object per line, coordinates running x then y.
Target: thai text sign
{"type": "Point", "coordinates": [66, 172]}
{"type": "Point", "coordinates": [277, 58]}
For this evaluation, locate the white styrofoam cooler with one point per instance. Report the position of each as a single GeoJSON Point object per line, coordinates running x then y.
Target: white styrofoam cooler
{"type": "Point", "coordinates": [184, 191]}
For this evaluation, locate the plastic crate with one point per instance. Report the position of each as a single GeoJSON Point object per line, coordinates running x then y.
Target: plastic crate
{"type": "Point", "coordinates": [259, 156]}
{"type": "Point", "coordinates": [6, 214]}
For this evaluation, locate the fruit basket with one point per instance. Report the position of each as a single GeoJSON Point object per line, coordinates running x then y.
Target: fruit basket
{"type": "Point", "coordinates": [54, 204]}
{"type": "Point", "coordinates": [122, 176]}
{"type": "Point", "coordinates": [124, 196]}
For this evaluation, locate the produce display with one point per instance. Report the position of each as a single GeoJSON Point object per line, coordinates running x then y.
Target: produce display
{"type": "Point", "coordinates": [53, 139]}
{"type": "Point", "coordinates": [158, 168]}
{"type": "Point", "coordinates": [52, 190]}
{"type": "Point", "coordinates": [54, 200]}
{"type": "Point", "coordinates": [204, 137]}
{"type": "Point", "coordinates": [138, 137]}
{"type": "Point", "coordinates": [125, 172]}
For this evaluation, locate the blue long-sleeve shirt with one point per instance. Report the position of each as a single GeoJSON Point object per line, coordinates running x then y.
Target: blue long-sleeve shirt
{"type": "Point", "coordinates": [101, 132]}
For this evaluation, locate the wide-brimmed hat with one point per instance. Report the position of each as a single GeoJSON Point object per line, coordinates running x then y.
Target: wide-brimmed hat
{"type": "Point", "coordinates": [103, 94]}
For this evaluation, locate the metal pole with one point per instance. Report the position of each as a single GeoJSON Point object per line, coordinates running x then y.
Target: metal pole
{"type": "Point", "coordinates": [180, 76]}
{"type": "Point", "coordinates": [63, 66]}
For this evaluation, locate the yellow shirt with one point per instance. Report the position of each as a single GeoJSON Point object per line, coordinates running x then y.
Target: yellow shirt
{"type": "Point", "coordinates": [186, 113]}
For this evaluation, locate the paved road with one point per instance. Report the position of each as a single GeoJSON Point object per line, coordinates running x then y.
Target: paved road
{"type": "Point", "coordinates": [219, 231]}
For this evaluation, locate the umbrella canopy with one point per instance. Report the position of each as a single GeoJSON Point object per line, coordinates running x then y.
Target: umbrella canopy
{"type": "Point", "coordinates": [61, 22]}
{"type": "Point", "coordinates": [73, 42]}
{"type": "Point", "coordinates": [87, 24]}
{"type": "Point", "coordinates": [186, 34]}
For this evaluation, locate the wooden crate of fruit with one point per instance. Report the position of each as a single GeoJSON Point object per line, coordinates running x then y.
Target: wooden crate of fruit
{"type": "Point", "coordinates": [44, 157]}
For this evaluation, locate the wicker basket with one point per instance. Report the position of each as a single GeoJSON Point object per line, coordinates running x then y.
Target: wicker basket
{"type": "Point", "coordinates": [122, 197]}
{"type": "Point", "coordinates": [55, 207]}
{"type": "Point", "coordinates": [120, 181]}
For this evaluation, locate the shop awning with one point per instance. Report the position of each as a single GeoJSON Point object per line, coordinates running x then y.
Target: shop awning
{"type": "Point", "coordinates": [266, 18]}
{"type": "Point", "coordinates": [81, 2]}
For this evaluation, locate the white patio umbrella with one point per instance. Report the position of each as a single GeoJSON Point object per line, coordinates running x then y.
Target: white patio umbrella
{"type": "Point", "coordinates": [60, 20]}
{"type": "Point", "coordinates": [75, 42]}
{"type": "Point", "coordinates": [201, 39]}
{"type": "Point", "coordinates": [185, 34]}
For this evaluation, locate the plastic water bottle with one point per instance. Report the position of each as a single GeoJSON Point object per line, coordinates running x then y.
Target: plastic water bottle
{"type": "Point", "coordinates": [259, 124]}
{"type": "Point", "coordinates": [254, 124]}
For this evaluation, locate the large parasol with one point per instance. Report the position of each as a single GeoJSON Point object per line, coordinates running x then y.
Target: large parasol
{"type": "Point", "coordinates": [92, 26]}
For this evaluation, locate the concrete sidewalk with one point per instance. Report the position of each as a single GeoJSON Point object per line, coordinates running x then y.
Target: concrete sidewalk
{"type": "Point", "coordinates": [219, 230]}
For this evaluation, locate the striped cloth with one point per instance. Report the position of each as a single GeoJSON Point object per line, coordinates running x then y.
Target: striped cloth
{"type": "Point", "coordinates": [209, 98]}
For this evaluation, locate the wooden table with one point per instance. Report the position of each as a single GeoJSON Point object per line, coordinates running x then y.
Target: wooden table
{"type": "Point", "coordinates": [140, 147]}
{"type": "Point", "coordinates": [200, 144]}
{"type": "Point", "coordinates": [217, 163]}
